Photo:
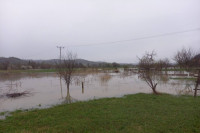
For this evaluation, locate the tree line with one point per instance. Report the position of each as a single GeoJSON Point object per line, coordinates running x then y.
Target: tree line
{"type": "Point", "coordinates": [150, 68]}
{"type": "Point", "coordinates": [31, 64]}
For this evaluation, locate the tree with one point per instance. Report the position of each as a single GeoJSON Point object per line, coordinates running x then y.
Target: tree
{"type": "Point", "coordinates": [5, 65]}
{"type": "Point", "coordinates": [190, 61]}
{"type": "Point", "coordinates": [184, 58]}
{"type": "Point", "coordinates": [148, 70]}
{"type": "Point", "coordinates": [33, 64]}
{"type": "Point", "coordinates": [163, 64]}
{"type": "Point", "coordinates": [115, 65]}
{"type": "Point", "coordinates": [66, 67]}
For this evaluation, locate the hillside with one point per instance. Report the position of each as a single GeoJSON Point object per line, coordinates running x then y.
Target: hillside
{"type": "Point", "coordinates": [14, 60]}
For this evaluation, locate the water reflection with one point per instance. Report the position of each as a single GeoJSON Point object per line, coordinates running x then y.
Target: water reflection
{"type": "Point", "coordinates": [49, 89]}
{"type": "Point", "coordinates": [61, 88]}
{"type": "Point", "coordinates": [126, 74]}
{"type": "Point", "coordinates": [69, 98]}
{"type": "Point", "coordinates": [164, 78]}
{"type": "Point", "coordinates": [82, 87]}
{"type": "Point", "coordinates": [105, 78]}
{"type": "Point", "coordinates": [186, 91]}
{"type": "Point", "coordinates": [14, 90]}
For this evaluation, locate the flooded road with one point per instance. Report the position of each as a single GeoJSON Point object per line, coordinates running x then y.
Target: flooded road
{"type": "Point", "coordinates": [46, 89]}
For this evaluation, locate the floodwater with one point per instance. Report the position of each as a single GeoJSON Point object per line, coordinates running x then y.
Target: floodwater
{"type": "Point", "coordinates": [46, 89]}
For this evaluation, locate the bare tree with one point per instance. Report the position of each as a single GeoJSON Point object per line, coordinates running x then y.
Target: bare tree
{"type": "Point", "coordinates": [190, 61]}
{"type": "Point", "coordinates": [163, 64]}
{"type": "Point", "coordinates": [66, 68]}
{"type": "Point", "coordinates": [148, 70]}
{"type": "Point", "coordinates": [4, 65]}
{"type": "Point", "coordinates": [184, 58]}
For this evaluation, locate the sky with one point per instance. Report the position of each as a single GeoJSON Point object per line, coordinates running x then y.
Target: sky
{"type": "Point", "coordinates": [98, 30]}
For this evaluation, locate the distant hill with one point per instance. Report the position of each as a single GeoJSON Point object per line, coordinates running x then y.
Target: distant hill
{"type": "Point", "coordinates": [197, 59]}
{"type": "Point", "coordinates": [13, 63]}
{"type": "Point", "coordinates": [14, 60]}
{"type": "Point", "coordinates": [82, 61]}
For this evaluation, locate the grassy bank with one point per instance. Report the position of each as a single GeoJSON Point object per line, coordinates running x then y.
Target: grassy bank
{"type": "Point", "coordinates": [184, 78]}
{"type": "Point", "coordinates": [28, 71]}
{"type": "Point", "coordinates": [132, 113]}
{"type": "Point", "coordinates": [77, 69]}
{"type": "Point", "coordinates": [51, 70]}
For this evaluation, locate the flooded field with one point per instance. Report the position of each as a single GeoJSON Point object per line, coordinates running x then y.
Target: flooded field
{"type": "Point", "coordinates": [46, 89]}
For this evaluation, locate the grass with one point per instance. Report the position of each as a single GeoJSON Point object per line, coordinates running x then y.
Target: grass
{"type": "Point", "coordinates": [34, 70]}
{"type": "Point", "coordinates": [77, 69]}
{"type": "Point", "coordinates": [28, 71]}
{"type": "Point", "coordinates": [49, 70]}
{"type": "Point", "coordinates": [140, 113]}
{"type": "Point", "coordinates": [2, 113]}
{"type": "Point", "coordinates": [184, 78]}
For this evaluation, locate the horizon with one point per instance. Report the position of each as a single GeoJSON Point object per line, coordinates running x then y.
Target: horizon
{"type": "Point", "coordinates": [59, 59]}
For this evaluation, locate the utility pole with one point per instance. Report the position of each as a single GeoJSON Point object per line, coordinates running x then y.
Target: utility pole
{"type": "Point", "coordinates": [60, 47]}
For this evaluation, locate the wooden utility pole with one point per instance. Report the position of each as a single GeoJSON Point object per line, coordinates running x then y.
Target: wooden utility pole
{"type": "Point", "coordinates": [60, 47]}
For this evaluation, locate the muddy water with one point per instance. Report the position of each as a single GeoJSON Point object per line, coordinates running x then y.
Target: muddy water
{"type": "Point", "coordinates": [45, 89]}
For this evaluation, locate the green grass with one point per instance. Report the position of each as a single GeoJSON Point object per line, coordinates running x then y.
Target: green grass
{"type": "Point", "coordinates": [140, 113]}
{"type": "Point", "coordinates": [28, 71]}
{"type": "Point", "coordinates": [33, 71]}
{"type": "Point", "coordinates": [47, 70]}
{"type": "Point", "coordinates": [184, 78]}
{"type": "Point", "coordinates": [2, 113]}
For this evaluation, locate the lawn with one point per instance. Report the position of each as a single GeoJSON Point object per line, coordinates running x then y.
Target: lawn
{"type": "Point", "coordinates": [139, 113]}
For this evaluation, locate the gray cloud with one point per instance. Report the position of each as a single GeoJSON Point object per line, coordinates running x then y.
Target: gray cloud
{"type": "Point", "coordinates": [32, 29]}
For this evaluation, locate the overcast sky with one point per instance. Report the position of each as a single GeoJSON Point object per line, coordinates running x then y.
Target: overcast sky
{"type": "Point", "coordinates": [31, 29]}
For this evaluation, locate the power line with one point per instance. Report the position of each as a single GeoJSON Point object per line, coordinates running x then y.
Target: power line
{"type": "Point", "coordinates": [135, 39]}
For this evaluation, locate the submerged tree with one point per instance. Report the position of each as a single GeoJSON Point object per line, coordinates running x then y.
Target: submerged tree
{"type": "Point", "coordinates": [66, 68]}
{"type": "Point", "coordinates": [69, 98]}
{"type": "Point", "coordinates": [148, 70]}
{"type": "Point", "coordinates": [190, 61]}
